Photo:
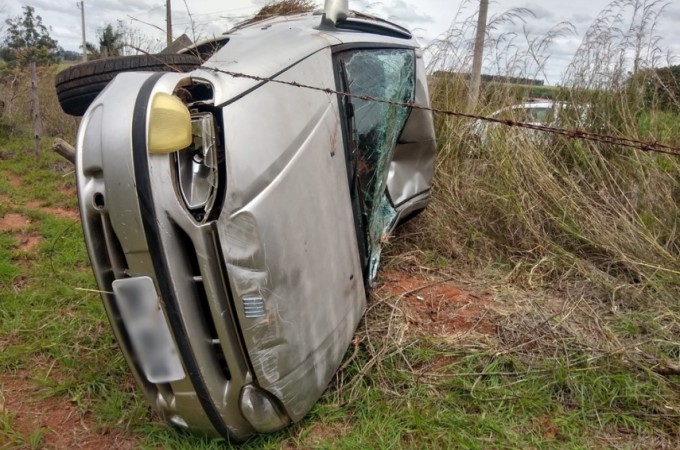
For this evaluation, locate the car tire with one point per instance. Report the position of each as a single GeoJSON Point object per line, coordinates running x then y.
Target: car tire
{"type": "Point", "coordinates": [78, 85]}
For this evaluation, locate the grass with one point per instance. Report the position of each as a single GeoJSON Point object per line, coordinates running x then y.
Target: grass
{"type": "Point", "coordinates": [540, 381]}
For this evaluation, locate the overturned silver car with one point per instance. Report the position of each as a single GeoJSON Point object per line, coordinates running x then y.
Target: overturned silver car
{"type": "Point", "coordinates": [234, 222]}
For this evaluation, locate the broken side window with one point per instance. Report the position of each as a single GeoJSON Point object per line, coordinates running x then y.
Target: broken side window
{"type": "Point", "coordinates": [374, 127]}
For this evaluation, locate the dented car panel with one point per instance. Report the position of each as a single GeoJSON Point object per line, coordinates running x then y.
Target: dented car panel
{"type": "Point", "coordinates": [283, 254]}
{"type": "Point", "coordinates": [233, 224]}
{"type": "Point", "coordinates": [412, 166]}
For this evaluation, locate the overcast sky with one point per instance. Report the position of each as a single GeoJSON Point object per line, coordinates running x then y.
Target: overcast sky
{"type": "Point", "coordinates": [428, 19]}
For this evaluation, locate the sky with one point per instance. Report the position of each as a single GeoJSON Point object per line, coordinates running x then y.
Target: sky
{"type": "Point", "coordinates": [429, 20]}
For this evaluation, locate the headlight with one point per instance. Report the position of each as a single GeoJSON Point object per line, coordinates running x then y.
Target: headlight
{"type": "Point", "coordinates": [197, 167]}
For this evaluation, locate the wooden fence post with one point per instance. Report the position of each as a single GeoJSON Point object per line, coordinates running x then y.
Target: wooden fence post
{"type": "Point", "coordinates": [35, 110]}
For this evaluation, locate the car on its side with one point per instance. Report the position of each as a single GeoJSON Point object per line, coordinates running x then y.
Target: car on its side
{"type": "Point", "coordinates": [234, 219]}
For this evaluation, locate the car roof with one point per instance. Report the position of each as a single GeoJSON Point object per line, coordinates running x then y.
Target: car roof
{"type": "Point", "coordinates": [268, 47]}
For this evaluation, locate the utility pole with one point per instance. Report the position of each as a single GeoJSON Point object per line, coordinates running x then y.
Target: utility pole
{"type": "Point", "coordinates": [168, 19]}
{"type": "Point", "coordinates": [81, 6]}
{"type": "Point", "coordinates": [476, 76]}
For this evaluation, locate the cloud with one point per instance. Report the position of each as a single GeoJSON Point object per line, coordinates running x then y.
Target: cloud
{"type": "Point", "coordinates": [580, 18]}
{"type": "Point", "coordinates": [399, 11]}
{"type": "Point", "coordinates": [404, 12]}
{"type": "Point", "coordinates": [539, 12]}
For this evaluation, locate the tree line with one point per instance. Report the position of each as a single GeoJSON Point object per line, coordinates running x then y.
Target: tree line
{"type": "Point", "coordinates": [26, 39]}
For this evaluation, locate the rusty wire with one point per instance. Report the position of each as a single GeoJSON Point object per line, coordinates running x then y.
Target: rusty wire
{"type": "Point", "coordinates": [647, 146]}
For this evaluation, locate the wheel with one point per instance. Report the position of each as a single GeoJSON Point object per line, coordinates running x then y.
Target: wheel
{"type": "Point", "coordinates": [78, 85]}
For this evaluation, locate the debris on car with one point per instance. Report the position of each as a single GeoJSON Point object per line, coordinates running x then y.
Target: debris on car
{"type": "Point", "coordinates": [234, 223]}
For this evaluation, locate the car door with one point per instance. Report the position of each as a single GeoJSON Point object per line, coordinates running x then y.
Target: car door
{"type": "Point", "coordinates": [289, 239]}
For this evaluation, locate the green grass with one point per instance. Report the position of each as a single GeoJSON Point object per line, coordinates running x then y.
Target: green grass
{"type": "Point", "coordinates": [560, 371]}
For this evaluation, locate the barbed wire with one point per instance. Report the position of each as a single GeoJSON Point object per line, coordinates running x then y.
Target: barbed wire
{"type": "Point", "coordinates": [647, 146]}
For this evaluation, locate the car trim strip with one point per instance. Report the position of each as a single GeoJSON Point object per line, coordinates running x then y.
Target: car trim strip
{"type": "Point", "coordinates": [423, 192]}
{"type": "Point", "coordinates": [148, 213]}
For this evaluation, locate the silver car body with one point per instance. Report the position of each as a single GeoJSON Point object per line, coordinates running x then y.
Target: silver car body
{"type": "Point", "coordinates": [253, 304]}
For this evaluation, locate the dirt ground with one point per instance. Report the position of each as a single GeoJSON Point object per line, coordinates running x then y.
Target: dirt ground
{"type": "Point", "coordinates": [57, 419]}
{"type": "Point", "coordinates": [54, 421]}
{"type": "Point", "coordinates": [439, 308]}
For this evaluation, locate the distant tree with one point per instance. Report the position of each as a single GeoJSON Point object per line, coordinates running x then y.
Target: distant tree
{"type": "Point", "coordinates": [660, 87]}
{"type": "Point", "coordinates": [663, 88]}
{"type": "Point", "coordinates": [110, 41]}
{"type": "Point", "coordinates": [133, 41]}
{"type": "Point", "coordinates": [27, 41]}
{"type": "Point", "coordinates": [92, 51]}
{"type": "Point", "coordinates": [69, 55]}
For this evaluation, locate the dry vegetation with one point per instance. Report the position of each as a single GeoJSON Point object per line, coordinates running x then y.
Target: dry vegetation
{"type": "Point", "coordinates": [15, 112]}
{"type": "Point", "coordinates": [284, 8]}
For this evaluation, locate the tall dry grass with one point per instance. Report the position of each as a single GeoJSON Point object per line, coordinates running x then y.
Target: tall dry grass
{"type": "Point", "coordinates": [587, 220]}
{"type": "Point", "coordinates": [15, 93]}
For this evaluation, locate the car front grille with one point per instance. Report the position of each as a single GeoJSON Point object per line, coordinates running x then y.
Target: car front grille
{"type": "Point", "coordinates": [186, 246]}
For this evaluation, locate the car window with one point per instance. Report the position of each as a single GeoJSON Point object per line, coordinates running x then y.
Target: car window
{"type": "Point", "coordinates": [573, 114]}
{"type": "Point", "coordinates": [516, 114]}
{"type": "Point", "coordinates": [539, 115]}
{"type": "Point", "coordinates": [526, 113]}
{"type": "Point", "coordinates": [374, 128]}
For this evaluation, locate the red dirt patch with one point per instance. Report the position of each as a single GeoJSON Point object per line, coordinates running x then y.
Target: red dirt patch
{"type": "Point", "coordinates": [439, 308]}
{"type": "Point", "coordinates": [14, 222]}
{"type": "Point", "coordinates": [57, 212]}
{"type": "Point", "coordinates": [28, 242]}
{"type": "Point", "coordinates": [14, 180]}
{"type": "Point", "coordinates": [545, 427]}
{"type": "Point", "coordinates": [64, 427]}
{"type": "Point", "coordinates": [68, 190]}
{"type": "Point", "coordinates": [19, 283]}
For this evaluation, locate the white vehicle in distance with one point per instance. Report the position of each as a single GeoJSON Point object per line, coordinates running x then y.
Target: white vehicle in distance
{"type": "Point", "coordinates": [533, 111]}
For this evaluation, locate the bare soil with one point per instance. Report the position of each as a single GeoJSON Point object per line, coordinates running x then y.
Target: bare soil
{"type": "Point", "coordinates": [439, 307]}
{"type": "Point", "coordinates": [14, 180]}
{"type": "Point", "coordinates": [14, 222]}
{"type": "Point", "coordinates": [63, 426]}
{"type": "Point", "coordinates": [62, 213]}
{"type": "Point", "coordinates": [28, 242]}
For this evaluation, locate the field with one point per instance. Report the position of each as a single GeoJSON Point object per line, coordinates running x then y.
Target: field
{"type": "Point", "coordinates": [527, 309]}
{"type": "Point", "coordinates": [534, 304]}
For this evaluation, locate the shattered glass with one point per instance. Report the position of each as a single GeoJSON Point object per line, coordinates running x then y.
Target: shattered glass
{"type": "Point", "coordinates": [375, 126]}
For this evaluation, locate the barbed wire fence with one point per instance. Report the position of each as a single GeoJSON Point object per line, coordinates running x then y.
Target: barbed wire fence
{"type": "Point", "coordinates": [647, 146]}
